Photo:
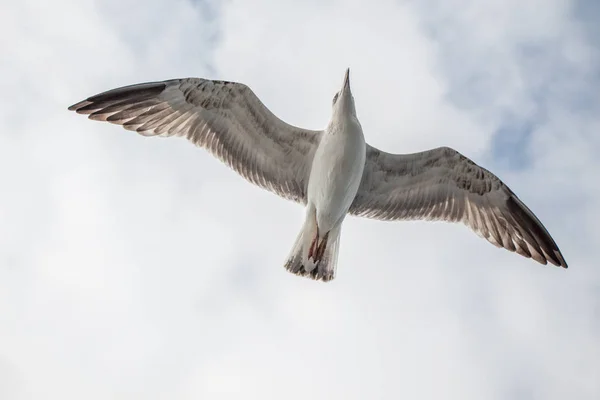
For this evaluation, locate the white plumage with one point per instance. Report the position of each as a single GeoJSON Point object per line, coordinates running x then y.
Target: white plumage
{"type": "Point", "coordinates": [333, 172]}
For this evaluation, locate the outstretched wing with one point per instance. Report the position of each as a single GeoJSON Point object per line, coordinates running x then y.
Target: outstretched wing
{"type": "Point", "coordinates": [442, 184]}
{"type": "Point", "coordinates": [226, 118]}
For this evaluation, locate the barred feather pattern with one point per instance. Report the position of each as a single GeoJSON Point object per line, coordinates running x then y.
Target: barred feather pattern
{"type": "Point", "coordinates": [226, 118]}
{"type": "Point", "coordinates": [443, 185]}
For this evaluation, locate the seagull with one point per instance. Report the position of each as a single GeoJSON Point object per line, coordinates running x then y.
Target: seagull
{"type": "Point", "coordinates": [332, 172]}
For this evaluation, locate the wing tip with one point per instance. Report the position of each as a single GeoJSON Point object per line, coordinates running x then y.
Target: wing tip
{"type": "Point", "coordinates": [140, 91]}
{"type": "Point", "coordinates": [534, 227]}
{"type": "Point", "coordinates": [77, 106]}
{"type": "Point", "coordinates": [562, 263]}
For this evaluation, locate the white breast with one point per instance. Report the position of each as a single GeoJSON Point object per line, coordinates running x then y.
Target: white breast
{"type": "Point", "coordinates": [336, 173]}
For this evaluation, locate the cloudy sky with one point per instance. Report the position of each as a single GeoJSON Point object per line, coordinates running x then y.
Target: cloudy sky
{"type": "Point", "coordinates": [142, 268]}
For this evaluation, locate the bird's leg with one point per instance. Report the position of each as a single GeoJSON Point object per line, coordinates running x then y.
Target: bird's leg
{"type": "Point", "coordinates": [312, 250]}
{"type": "Point", "coordinates": [316, 249]}
{"type": "Point", "coordinates": [321, 248]}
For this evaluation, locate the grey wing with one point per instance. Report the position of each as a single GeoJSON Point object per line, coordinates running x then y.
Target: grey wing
{"type": "Point", "coordinates": [442, 184]}
{"type": "Point", "coordinates": [226, 118]}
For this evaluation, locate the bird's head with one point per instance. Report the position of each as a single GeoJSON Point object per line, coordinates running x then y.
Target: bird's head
{"type": "Point", "coordinates": [343, 101]}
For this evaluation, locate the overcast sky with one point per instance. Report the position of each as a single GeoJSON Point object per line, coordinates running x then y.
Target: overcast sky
{"type": "Point", "coordinates": [143, 268]}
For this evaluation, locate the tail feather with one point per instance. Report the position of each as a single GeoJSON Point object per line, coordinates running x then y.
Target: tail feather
{"type": "Point", "coordinates": [324, 253]}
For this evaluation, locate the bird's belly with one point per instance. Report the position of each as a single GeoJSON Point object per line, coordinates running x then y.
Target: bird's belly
{"type": "Point", "coordinates": [334, 180]}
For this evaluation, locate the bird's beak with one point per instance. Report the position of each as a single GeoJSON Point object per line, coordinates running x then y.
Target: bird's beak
{"type": "Point", "coordinates": [347, 80]}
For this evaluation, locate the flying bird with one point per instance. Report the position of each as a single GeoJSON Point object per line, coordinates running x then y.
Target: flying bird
{"type": "Point", "coordinates": [333, 172]}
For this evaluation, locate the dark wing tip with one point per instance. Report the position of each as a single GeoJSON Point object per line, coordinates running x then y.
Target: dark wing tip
{"type": "Point", "coordinates": [564, 263]}
{"type": "Point", "coordinates": [79, 105]}
{"type": "Point", "coordinates": [532, 226]}
{"type": "Point", "coordinates": [137, 92]}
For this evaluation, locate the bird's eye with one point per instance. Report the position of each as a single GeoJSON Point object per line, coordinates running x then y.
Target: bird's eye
{"type": "Point", "coordinates": [335, 97]}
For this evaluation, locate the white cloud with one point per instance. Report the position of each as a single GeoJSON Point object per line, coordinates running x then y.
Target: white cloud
{"type": "Point", "coordinates": [143, 268]}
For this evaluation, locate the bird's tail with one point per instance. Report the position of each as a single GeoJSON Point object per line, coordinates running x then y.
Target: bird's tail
{"type": "Point", "coordinates": [314, 254]}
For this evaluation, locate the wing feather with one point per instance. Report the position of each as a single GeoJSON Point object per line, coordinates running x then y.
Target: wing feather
{"type": "Point", "coordinates": [443, 185]}
{"type": "Point", "coordinates": [226, 118]}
